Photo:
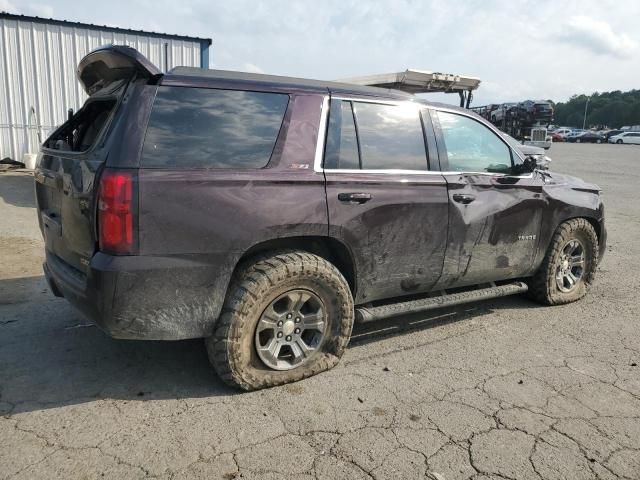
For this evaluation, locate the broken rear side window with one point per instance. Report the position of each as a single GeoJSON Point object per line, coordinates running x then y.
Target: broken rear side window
{"type": "Point", "coordinates": [80, 132]}
{"type": "Point", "coordinates": [211, 128]}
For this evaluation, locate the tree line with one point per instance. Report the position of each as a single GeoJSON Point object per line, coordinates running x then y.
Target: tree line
{"type": "Point", "coordinates": [609, 109]}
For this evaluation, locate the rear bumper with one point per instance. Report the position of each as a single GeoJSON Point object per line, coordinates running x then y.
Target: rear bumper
{"type": "Point", "coordinates": [146, 297]}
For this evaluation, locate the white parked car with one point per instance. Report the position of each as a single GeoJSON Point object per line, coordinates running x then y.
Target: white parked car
{"type": "Point", "coordinates": [563, 131]}
{"type": "Point", "coordinates": [626, 137]}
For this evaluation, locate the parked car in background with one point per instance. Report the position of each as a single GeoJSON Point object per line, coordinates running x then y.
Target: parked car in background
{"type": "Point", "coordinates": [501, 112]}
{"type": "Point", "coordinates": [587, 137]}
{"type": "Point", "coordinates": [538, 111]}
{"type": "Point", "coordinates": [613, 133]}
{"type": "Point", "coordinates": [556, 137]}
{"type": "Point", "coordinates": [573, 133]}
{"type": "Point", "coordinates": [626, 137]}
{"type": "Point", "coordinates": [563, 131]}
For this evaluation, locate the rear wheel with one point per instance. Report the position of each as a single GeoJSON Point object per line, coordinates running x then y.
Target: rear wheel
{"type": "Point", "coordinates": [578, 140]}
{"type": "Point", "coordinates": [619, 141]}
{"type": "Point", "coordinates": [569, 265]}
{"type": "Point", "coordinates": [287, 316]}
{"type": "Point", "coordinates": [598, 141]}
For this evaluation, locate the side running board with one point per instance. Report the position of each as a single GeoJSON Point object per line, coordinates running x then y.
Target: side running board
{"type": "Point", "coordinates": [370, 314]}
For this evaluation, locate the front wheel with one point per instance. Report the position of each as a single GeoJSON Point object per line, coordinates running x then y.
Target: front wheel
{"type": "Point", "coordinates": [619, 141]}
{"type": "Point", "coordinates": [569, 265]}
{"type": "Point", "coordinates": [287, 316]}
{"type": "Point", "coordinates": [578, 140]}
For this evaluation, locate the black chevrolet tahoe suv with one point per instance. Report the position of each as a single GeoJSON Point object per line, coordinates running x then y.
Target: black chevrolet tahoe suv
{"type": "Point", "coordinates": [268, 214]}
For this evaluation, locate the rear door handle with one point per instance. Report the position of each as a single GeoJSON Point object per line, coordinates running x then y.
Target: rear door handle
{"type": "Point", "coordinates": [463, 198]}
{"type": "Point", "coordinates": [353, 197]}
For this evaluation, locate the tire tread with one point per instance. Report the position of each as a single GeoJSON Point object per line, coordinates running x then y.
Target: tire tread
{"type": "Point", "coordinates": [265, 272]}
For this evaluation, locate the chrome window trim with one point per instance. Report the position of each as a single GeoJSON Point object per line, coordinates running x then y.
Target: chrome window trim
{"type": "Point", "coordinates": [378, 101]}
{"type": "Point", "coordinates": [322, 133]}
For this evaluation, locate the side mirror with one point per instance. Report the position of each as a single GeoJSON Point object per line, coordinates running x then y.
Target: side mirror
{"type": "Point", "coordinates": [530, 164]}
{"type": "Point", "coordinates": [527, 166]}
{"type": "Point", "coordinates": [542, 162]}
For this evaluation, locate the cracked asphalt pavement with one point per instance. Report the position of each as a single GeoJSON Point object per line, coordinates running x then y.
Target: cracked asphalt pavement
{"type": "Point", "coordinates": [500, 389]}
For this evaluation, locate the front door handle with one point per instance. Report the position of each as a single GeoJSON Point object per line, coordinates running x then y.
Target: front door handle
{"type": "Point", "coordinates": [463, 198]}
{"type": "Point", "coordinates": [353, 197]}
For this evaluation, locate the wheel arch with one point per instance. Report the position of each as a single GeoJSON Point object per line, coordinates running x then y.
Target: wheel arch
{"type": "Point", "coordinates": [329, 248]}
{"type": "Point", "coordinates": [593, 220]}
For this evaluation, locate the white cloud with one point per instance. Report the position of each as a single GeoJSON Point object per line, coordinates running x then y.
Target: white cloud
{"type": "Point", "coordinates": [251, 68]}
{"type": "Point", "coordinates": [598, 37]}
{"type": "Point", "coordinates": [37, 9]}
{"type": "Point", "coordinates": [41, 10]}
{"type": "Point", "coordinates": [7, 6]}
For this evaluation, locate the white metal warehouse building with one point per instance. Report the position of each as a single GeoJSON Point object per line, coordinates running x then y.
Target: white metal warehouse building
{"type": "Point", "coordinates": [38, 60]}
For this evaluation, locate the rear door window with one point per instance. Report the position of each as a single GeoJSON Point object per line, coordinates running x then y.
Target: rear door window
{"type": "Point", "coordinates": [373, 136]}
{"type": "Point", "coordinates": [211, 128]}
{"type": "Point", "coordinates": [390, 137]}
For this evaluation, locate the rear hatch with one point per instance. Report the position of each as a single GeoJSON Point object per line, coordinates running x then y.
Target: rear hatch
{"type": "Point", "coordinates": [72, 157]}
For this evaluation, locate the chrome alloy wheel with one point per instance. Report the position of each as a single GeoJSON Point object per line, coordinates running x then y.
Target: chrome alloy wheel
{"type": "Point", "coordinates": [570, 267]}
{"type": "Point", "coordinates": [290, 329]}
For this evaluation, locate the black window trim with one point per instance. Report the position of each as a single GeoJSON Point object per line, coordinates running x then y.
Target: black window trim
{"type": "Point", "coordinates": [355, 124]}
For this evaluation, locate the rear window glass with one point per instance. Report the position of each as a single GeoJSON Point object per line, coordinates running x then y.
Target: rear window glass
{"type": "Point", "coordinates": [390, 137]}
{"type": "Point", "coordinates": [210, 128]}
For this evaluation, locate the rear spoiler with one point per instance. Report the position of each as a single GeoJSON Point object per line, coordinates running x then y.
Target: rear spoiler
{"type": "Point", "coordinates": [112, 63]}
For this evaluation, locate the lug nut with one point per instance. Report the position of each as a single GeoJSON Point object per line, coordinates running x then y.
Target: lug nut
{"type": "Point", "coordinates": [288, 338]}
{"type": "Point", "coordinates": [279, 334]}
{"type": "Point", "coordinates": [280, 323]}
{"type": "Point", "coordinates": [289, 315]}
{"type": "Point", "coordinates": [297, 319]}
{"type": "Point", "coordinates": [297, 330]}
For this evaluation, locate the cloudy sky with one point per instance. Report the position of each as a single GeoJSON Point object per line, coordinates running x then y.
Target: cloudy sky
{"type": "Point", "coordinates": [520, 49]}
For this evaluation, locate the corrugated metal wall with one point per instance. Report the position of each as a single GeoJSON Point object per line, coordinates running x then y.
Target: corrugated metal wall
{"type": "Point", "coordinates": [37, 74]}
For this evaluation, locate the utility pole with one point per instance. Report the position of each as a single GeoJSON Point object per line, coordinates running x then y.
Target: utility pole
{"type": "Point", "coordinates": [584, 119]}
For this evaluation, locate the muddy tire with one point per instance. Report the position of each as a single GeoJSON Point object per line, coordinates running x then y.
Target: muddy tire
{"type": "Point", "coordinates": [256, 343]}
{"type": "Point", "coordinates": [569, 265]}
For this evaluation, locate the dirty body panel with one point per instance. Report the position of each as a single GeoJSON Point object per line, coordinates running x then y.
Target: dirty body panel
{"type": "Point", "coordinates": [195, 225]}
{"type": "Point", "coordinates": [383, 201]}
{"type": "Point", "coordinates": [496, 235]}
{"type": "Point", "coordinates": [407, 223]}
{"type": "Point", "coordinates": [501, 220]}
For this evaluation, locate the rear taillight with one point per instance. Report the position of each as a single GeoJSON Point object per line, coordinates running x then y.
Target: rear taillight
{"type": "Point", "coordinates": [116, 212]}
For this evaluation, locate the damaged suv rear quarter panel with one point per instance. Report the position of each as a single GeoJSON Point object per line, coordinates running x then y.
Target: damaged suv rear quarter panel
{"type": "Point", "coordinates": [198, 223]}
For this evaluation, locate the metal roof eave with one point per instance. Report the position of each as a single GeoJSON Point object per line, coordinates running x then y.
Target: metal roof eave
{"type": "Point", "coordinates": [205, 42]}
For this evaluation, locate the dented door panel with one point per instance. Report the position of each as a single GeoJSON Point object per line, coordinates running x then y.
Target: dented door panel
{"type": "Point", "coordinates": [495, 236]}
{"type": "Point", "coordinates": [398, 237]}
